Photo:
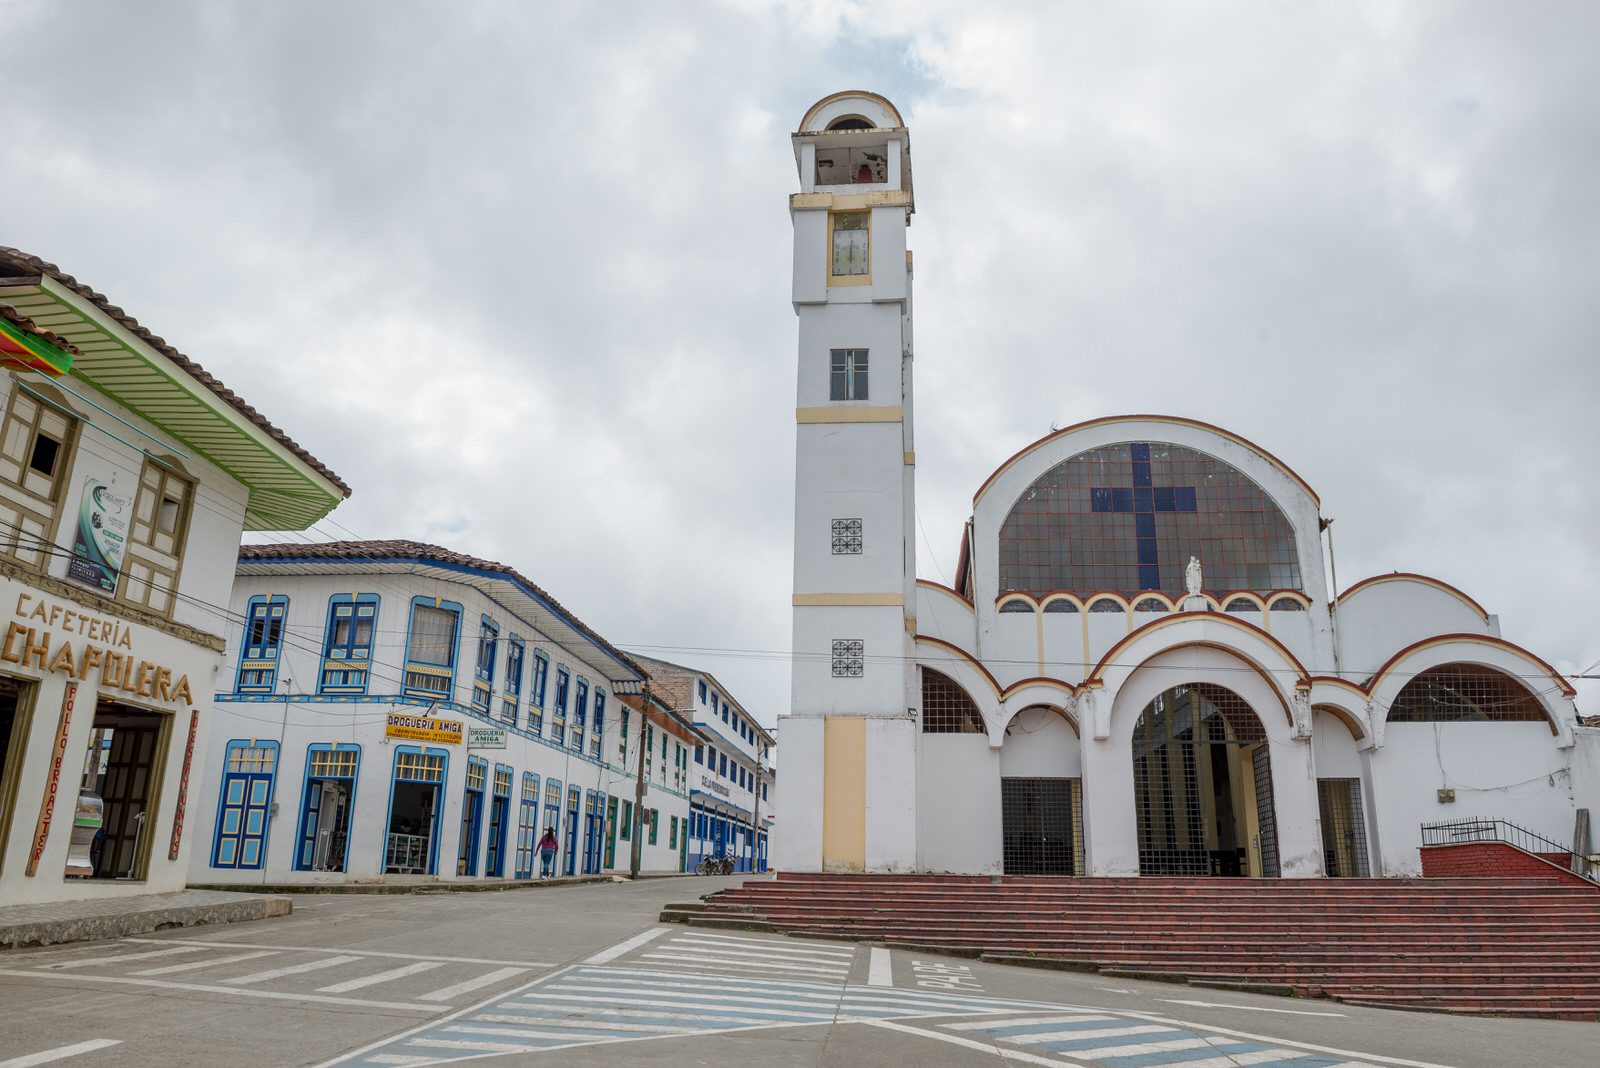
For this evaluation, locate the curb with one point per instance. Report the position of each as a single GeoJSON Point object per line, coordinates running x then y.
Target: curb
{"type": "Point", "coordinates": [143, 921]}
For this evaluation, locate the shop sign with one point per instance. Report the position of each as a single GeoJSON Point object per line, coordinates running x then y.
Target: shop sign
{"type": "Point", "coordinates": [486, 737]}
{"type": "Point", "coordinates": [423, 729]}
{"type": "Point", "coordinates": [28, 643]}
{"type": "Point", "coordinates": [714, 786]}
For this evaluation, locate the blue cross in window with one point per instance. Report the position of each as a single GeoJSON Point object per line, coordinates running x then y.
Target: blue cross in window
{"type": "Point", "coordinates": [1144, 501]}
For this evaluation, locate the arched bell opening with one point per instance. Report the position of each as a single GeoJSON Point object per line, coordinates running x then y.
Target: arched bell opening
{"type": "Point", "coordinates": [1202, 780]}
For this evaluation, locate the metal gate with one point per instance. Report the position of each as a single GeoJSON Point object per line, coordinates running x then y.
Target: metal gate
{"type": "Point", "coordinates": [1042, 826]}
{"type": "Point", "coordinates": [1344, 833]}
{"type": "Point", "coordinates": [1199, 755]}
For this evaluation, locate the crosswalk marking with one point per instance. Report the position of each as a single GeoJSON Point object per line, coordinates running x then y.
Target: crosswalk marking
{"type": "Point", "coordinates": [1100, 1033]}
{"type": "Point", "coordinates": [112, 958]}
{"type": "Point", "coordinates": [684, 945]}
{"type": "Point", "coordinates": [467, 987]}
{"type": "Point", "coordinates": [381, 977]}
{"type": "Point", "coordinates": [765, 945]}
{"type": "Point", "coordinates": [289, 969]}
{"type": "Point", "coordinates": [626, 946]}
{"type": "Point", "coordinates": [880, 970]}
{"type": "Point", "coordinates": [695, 958]}
{"type": "Point", "coordinates": [196, 965]}
{"type": "Point", "coordinates": [1112, 1041]}
{"type": "Point", "coordinates": [356, 952]}
{"type": "Point", "coordinates": [60, 1053]}
{"type": "Point", "coordinates": [1021, 1025]}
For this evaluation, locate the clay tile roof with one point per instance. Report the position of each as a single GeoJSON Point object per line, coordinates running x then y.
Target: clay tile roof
{"type": "Point", "coordinates": [417, 550]}
{"type": "Point", "coordinates": [16, 263]}
{"type": "Point", "coordinates": [8, 312]}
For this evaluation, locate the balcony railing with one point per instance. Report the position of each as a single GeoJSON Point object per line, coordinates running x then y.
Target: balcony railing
{"type": "Point", "coordinates": [1459, 832]}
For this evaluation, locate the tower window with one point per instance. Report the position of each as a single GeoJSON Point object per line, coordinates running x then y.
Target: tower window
{"type": "Point", "coordinates": [851, 241]}
{"type": "Point", "coordinates": [850, 122]}
{"type": "Point", "coordinates": [846, 537]}
{"type": "Point", "coordinates": [849, 656]}
{"type": "Point", "coordinates": [847, 377]}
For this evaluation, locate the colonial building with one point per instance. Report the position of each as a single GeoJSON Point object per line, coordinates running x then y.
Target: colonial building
{"type": "Point", "coordinates": [730, 780]}
{"type": "Point", "coordinates": [1143, 666]}
{"type": "Point", "coordinates": [127, 475]}
{"type": "Point", "coordinates": [389, 708]}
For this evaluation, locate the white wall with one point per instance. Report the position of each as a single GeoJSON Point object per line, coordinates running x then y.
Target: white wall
{"type": "Point", "coordinates": [958, 817]}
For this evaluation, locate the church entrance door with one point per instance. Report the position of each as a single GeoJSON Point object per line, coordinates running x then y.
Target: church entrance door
{"type": "Point", "coordinates": [1202, 785]}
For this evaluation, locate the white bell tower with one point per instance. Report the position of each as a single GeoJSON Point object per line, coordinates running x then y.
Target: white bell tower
{"type": "Point", "coordinates": [847, 790]}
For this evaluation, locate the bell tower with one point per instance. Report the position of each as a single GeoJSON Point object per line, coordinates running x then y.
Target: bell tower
{"type": "Point", "coordinates": [847, 792]}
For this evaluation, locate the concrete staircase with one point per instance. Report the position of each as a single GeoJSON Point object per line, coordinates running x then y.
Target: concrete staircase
{"type": "Point", "coordinates": [1510, 947]}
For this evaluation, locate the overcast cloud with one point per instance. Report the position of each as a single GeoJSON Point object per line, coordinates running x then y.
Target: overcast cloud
{"type": "Point", "coordinates": [520, 272]}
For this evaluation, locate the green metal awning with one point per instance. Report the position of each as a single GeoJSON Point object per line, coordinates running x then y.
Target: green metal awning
{"type": "Point", "coordinates": [289, 488]}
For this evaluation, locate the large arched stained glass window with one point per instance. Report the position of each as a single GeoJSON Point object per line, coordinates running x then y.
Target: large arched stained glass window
{"type": "Point", "coordinates": [1456, 693]}
{"type": "Point", "coordinates": [1128, 517]}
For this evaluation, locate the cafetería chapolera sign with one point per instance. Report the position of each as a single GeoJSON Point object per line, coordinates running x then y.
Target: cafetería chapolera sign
{"type": "Point", "coordinates": [120, 668]}
{"type": "Point", "coordinates": [423, 729]}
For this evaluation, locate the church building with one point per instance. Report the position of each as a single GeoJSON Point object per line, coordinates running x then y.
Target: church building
{"type": "Point", "coordinates": [1143, 667]}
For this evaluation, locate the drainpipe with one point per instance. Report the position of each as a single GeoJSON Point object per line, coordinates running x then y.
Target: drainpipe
{"type": "Point", "coordinates": [1333, 598]}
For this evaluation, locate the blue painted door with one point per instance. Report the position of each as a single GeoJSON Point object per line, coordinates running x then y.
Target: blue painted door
{"type": "Point", "coordinates": [495, 868]}
{"type": "Point", "coordinates": [471, 818]}
{"type": "Point", "coordinates": [242, 830]}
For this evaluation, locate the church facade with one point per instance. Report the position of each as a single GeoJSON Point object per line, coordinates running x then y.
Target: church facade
{"type": "Point", "coordinates": [1142, 667]}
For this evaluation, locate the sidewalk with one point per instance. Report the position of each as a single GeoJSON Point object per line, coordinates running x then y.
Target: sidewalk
{"type": "Point", "coordinates": [429, 884]}
{"type": "Point", "coordinates": [96, 918]}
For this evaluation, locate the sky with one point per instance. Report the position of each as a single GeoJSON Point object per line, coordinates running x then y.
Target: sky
{"type": "Point", "coordinates": [519, 273]}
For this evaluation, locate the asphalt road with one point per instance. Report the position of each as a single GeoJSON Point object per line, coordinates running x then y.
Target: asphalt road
{"type": "Point", "coordinates": [582, 975]}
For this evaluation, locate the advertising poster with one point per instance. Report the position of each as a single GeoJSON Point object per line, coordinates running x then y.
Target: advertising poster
{"type": "Point", "coordinates": [101, 536]}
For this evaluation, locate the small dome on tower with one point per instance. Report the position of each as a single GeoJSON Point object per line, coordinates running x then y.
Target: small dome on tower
{"type": "Point", "coordinates": [853, 109]}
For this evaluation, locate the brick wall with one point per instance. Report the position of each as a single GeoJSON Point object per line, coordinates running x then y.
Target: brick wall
{"type": "Point", "coordinates": [1492, 860]}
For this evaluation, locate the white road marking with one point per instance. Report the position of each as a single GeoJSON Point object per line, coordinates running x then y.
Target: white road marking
{"type": "Point", "coordinates": [210, 989]}
{"type": "Point", "coordinates": [289, 969]}
{"type": "Point", "coordinates": [880, 972]}
{"type": "Point", "coordinates": [446, 993]}
{"type": "Point", "coordinates": [1141, 1049]}
{"type": "Point", "coordinates": [605, 956]}
{"type": "Point", "coordinates": [753, 949]}
{"type": "Point", "coordinates": [1113, 990]}
{"type": "Point", "coordinates": [381, 977]}
{"type": "Point", "coordinates": [1036, 1037]}
{"type": "Point", "coordinates": [766, 944]}
{"type": "Point", "coordinates": [195, 965]}
{"type": "Point", "coordinates": [958, 1040]}
{"type": "Point", "coordinates": [1029, 1021]}
{"type": "Point", "coordinates": [759, 965]}
{"type": "Point", "coordinates": [112, 958]}
{"type": "Point", "coordinates": [357, 952]}
{"type": "Point", "coordinates": [588, 1025]}
{"type": "Point", "coordinates": [1247, 1008]}
{"type": "Point", "coordinates": [60, 1053]}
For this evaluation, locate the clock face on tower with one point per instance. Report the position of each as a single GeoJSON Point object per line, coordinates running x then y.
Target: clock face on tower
{"type": "Point", "coordinates": [850, 243]}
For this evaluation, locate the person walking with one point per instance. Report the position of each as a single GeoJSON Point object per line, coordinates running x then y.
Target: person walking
{"type": "Point", "coordinates": [547, 853]}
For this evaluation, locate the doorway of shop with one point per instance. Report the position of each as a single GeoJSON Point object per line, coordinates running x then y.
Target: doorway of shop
{"type": "Point", "coordinates": [414, 813]}
{"type": "Point", "coordinates": [123, 767]}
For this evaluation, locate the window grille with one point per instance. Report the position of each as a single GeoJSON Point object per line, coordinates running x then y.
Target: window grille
{"type": "Point", "coordinates": [1242, 604]}
{"type": "Point", "coordinates": [254, 760]}
{"type": "Point", "coordinates": [1042, 826]}
{"type": "Point", "coordinates": [1061, 605]}
{"type": "Point", "coordinates": [1287, 604]}
{"type": "Point", "coordinates": [1457, 693]}
{"type": "Point", "coordinates": [846, 537]}
{"type": "Point", "coordinates": [530, 788]}
{"type": "Point", "coordinates": [419, 767]}
{"type": "Point", "coordinates": [848, 658]}
{"type": "Point", "coordinates": [1150, 604]}
{"type": "Point", "coordinates": [476, 773]}
{"type": "Point", "coordinates": [1344, 834]}
{"type": "Point", "coordinates": [502, 781]}
{"type": "Point", "coordinates": [946, 707]}
{"type": "Point", "coordinates": [1017, 606]}
{"type": "Point", "coordinates": [333, 764]}
{"type": "Point", "coordinates": [1106, 605]}
{"type": "Point", "coordinates": [847, 379]}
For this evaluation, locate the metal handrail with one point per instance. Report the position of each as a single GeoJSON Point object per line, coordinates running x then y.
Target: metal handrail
{"type": "Point", "coordinates": [1457, 832]}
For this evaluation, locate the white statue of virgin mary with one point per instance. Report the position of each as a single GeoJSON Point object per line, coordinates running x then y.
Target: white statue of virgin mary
{"type": "Point", "coordinates": [1193, 580]}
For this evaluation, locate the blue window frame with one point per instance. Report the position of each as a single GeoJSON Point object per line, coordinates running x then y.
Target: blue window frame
{"type": "Point", "coordinates": [483, 674]}
{"type": "Point", "coordinates": [347, 645]}
{"type": "Point", "coordinates": [431, 641]}
{"type": "Point", "coordinates": [580, 713]}
{"type": "Point", "coordinates": [472, 817]}
{"type": "Point", "coordinates": [248, 772]}
{"type": "Point", "coordinates": [499, 821]}
{"type": "Point", "coordinates": [513, 690]}
{"type": "Point", "coordinates": [702, 692]}
{"type": "Point", "coordinates": [327, 798]}
{"type": "Point", "coordinates": [558, 714]}
{"type": "Point", "coordinates": [597, 735]}
{"type": "Point", "coordinates": [724, 711]}
{"type": "Point", "coordinates": [527, 826]}
{"type": "Point", "coordinates": [541, 675]}
{"type": "Point", "coordinates": [699, 754]}
{"type": "Point", "coordinates": [722, 766]}
{"type": "Point", "coordinates": [262, 644]}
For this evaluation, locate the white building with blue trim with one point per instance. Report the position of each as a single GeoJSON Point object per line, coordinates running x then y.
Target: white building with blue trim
{"type": "Point", "coordinates": [731, 781]}
{"type": "Point", "coordinates": [393, 709]}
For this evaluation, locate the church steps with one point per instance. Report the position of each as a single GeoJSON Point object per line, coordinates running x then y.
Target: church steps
{"type": "Point", "coordinates": [1527, 947]}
